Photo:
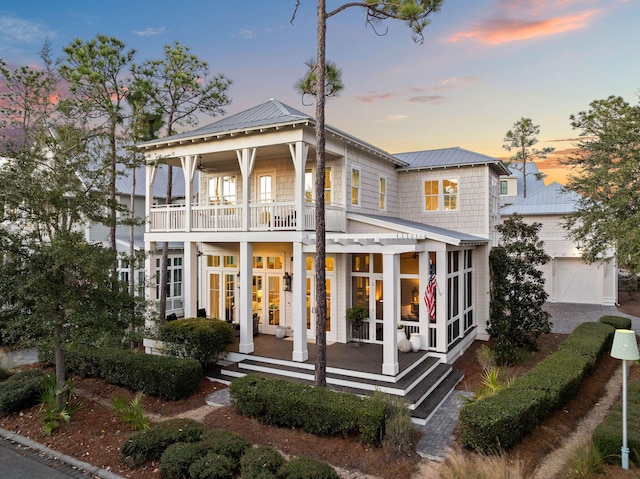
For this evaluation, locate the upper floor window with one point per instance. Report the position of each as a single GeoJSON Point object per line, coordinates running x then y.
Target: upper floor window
{"type": "Point", "coordinates": [355, 187]}
{"type": "Point", "coordinates": [382, 193]}
{"type": "Point", "coordinates": [309, 186]}
{"type": "Point", "coordinates": [264, 188]}
{"type": "Point", "coordinates": [222, 190]}
{"type": "Point", "coordinates": [441, 195]}
{"type": "Point", "coordinates": [504, 187]}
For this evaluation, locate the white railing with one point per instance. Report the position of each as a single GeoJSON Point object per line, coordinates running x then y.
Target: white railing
{"type": "Point", "coordinates": [272, 216]}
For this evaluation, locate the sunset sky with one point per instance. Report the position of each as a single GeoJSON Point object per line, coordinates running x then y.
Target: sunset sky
{"type": "Point", "coordinates": [484, 64]}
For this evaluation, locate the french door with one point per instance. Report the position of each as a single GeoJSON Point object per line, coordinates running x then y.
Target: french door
{"type": "Point", "coordinates": [311, 309]}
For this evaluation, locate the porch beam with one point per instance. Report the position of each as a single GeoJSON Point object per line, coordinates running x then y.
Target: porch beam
{"type": "Point", "coordinates": [188, 167]}
{"type": "Point", "coordinates": [299, 271]}
{"type": "Point", "coordinates": [390, 308]}
{"type": "Point", "coordinates": [245, 297]}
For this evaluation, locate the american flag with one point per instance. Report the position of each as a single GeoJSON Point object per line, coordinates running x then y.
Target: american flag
{"type": "Point", "coordinates": [430, 295]}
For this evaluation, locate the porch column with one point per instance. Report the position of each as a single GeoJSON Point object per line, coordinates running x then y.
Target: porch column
{"type": "Point", "coordinates": [299, 152]}
{"type": "Point", "coordinates": [299, 271]}
{"type": "Point", "coordinates": [245, 309]}
{"type": "Point", "coordinates": [149, 276]}
{"type": "Point", "coordinates": [390, 309]}
{"type": "Point", "coordinates": [246, 160]}
{"type": "Point", "coordinates": [190, 279]}
{"type": "Point", "coordinates": [150, 178]}
{"type": "Point", "coordinates": [188, 168]}
{"type": "Point", "coordinates": [441, 301]}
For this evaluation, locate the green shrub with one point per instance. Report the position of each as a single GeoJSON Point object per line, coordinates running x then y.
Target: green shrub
{"type": "Point", "coordinates": [500, 421]}
{"type": "Point", "coordinates": [260, 462]}
{"type": "Point", "coordinates": [21, 391]}
{"type": "Point", "coordinates": [202, 339]}
{"type": "Point", "coordinates": [315, 410]}
{"type": "Point", "coordinates": [307, 468]}
{"type": "Point", "coordinates": [399, 432]}
{"type": "Point", "coordinates": [617, 322]}
{"type": "Point", "coordinates": [607, 437]}
{"type": "Point", "coordinates": [4, 373]}
{"type": "Point", "coordinates": [227, 444]}
{"type": "Point", "coordinates": [213, 466]}
{"type": "Point", "coordinates": [164, 376]}
{"type": "Point", "coordinates": [151, 443]}
{"type": "Point", "coordinates": [178, 457]}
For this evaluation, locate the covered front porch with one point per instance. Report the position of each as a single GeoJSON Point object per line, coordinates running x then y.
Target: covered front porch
{"type": "Point", "coordinates": [422, 380]}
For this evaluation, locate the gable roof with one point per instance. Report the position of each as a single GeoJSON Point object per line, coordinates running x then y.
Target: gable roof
{"type": "Point", "coordinates": [551, 200]}
{"type": "Point", "coordinates": [272, 114]}
{"type": "Point", "coordinates": [448, 157]}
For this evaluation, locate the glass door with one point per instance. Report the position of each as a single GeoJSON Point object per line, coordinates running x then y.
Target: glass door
{"type": "Point", "coordinates": [311, 309]}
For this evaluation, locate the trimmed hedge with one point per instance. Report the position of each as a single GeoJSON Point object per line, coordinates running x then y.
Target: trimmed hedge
{"type": "Point", "coordinates": [21, 391]}
{"type": "Point", "coordinates": [307, 468]}
{"type": "Point", "coordinates": [164, 376]}
{"type": "Point", "coordinates": [202, 339]}
{"type": "Point", "coordinates": [261, 462]}
{"type": "Point", "coordinates": [151, 443]}
{"type": "Point", "coordinates": [317, 411]}
{"type": "Point", "coordinates": [607, 437]}
{"type": "Point", "coordinates": [617, 322]}
{"type": "Point", "coordinates": [212, 466]}
{"type": "Point", "coordinates": [501, 421]}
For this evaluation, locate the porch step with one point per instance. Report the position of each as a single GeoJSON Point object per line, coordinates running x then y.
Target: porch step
{"type": "Point", "coordinates": [424, 388]}
{"type": "Point", "coordinates": [430, 405]}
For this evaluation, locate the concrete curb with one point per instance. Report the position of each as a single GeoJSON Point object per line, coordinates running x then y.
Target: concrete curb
{"type": "Point", "coordinates": [71, 461]}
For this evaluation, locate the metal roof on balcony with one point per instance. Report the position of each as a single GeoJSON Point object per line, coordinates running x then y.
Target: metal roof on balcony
{"type": "Point", "coordinates": [272, 114]}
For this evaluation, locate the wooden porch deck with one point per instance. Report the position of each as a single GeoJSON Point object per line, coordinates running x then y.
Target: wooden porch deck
{"type": "Point", "coordinates": [362, 357]}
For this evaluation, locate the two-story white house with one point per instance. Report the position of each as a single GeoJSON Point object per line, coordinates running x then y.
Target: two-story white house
{"type": "Point", "coordinates": [391, 222]}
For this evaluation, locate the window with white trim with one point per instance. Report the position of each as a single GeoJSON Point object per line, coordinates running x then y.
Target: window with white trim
{"type": "Point", "coordinates": [355, 187]}
{"type": "Point", "coordinates": [222, 190]}
{"type": "Point", "coordinates": [309, 185]}
{"type": "Point", "coordinates": [441, 195]}
{"type": "Point", "coordinates": [504, 188]}
{"type": "Point", "coordinates": [382, 193]}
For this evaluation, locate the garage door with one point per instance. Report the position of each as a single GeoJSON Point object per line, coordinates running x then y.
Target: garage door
{"type": "Point", "coordinates": [579, 282]}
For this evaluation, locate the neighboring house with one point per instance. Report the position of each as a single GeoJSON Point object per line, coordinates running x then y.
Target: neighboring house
{"type": "Point", "coordinates": [99, 233]}
{"type": "Point", "coordinates": [391, 222]}
{"type": "Point", "coordinates": [568, 279]}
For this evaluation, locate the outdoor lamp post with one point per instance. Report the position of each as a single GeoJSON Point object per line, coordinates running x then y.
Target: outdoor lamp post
{"type": "Point", "coordinates": [624, 347]}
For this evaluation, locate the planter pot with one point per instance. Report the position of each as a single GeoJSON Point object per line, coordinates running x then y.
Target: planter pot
{"type": "Point", "coordinates": [280, 332]}
{"type": "Point", "coordinates": [401, 335]}
{"type": "Point", "coordinates": [416, 342]}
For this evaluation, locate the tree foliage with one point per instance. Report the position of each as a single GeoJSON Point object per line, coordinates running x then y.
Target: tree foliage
{"type": "Point", "coordinates": [606, 173]}
{"type": "Point", "coordinates": [522, 138]}
{"type": "Point", "coordinates": [517, 290]}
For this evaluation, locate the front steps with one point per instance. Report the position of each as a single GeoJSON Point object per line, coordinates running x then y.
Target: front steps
{"type": "Point", "coordinates": [425, 385]}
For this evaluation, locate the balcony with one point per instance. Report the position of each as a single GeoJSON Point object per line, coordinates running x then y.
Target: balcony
{"type": "Point", "coordinates": [271, 216]}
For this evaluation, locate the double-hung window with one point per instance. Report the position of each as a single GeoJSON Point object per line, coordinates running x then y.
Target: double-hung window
{"type": "Point", "coordinates": [355, 187]}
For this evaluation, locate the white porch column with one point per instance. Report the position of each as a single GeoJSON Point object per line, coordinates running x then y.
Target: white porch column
{"type": "Point", "coordinates": [441, 301]}
{"type": "Point", "coordinates": [299, 271]}
{"type": "Point", "coordinates": [299, 152]}
{"type": "Point", "coordinates": [246, 160]}
{"type": "Point", "coordinates": [150, 278]}
{"type": "Point", "coordinates": [390, 308]}
{"type": "Point", "coordinates": [190, 279]}
{"type": "Point", "coordinates": [188, 168]}
{"type": "Point", "coordinates": [245, 309]}
{"type": "Point", "coordinates": [150, 177]}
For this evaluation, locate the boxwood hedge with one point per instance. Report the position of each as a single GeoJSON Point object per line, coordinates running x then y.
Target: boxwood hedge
{"type": "Point", "coordinates": [317, 411]}
{"type": "Point", "coordinates": [202, 339]}
{"type": "Point", "coordinates": [21, 391]}
{"type": "Point", "coordinates": [164, 376]}
{"type": "Point", "coordinates": [501, 421]}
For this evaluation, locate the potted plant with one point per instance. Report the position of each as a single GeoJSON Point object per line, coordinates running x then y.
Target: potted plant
{"type": "Point", "coordinates": [356, 315]}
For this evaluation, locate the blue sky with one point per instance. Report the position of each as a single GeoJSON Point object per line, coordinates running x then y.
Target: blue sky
{"type": "Point", "coordinates": [484, 64]}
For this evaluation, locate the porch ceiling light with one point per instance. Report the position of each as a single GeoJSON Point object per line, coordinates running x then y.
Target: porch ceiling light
{"type": "Point", "coordinates": [624, 347]}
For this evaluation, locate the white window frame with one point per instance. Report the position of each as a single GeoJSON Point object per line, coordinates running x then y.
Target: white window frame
{"type": "Point", "coordinates": [442, 195]}
{"type": "Point", "coordinates": [382, 193]}
{"type": "Point", "coordinates": [355, 188]}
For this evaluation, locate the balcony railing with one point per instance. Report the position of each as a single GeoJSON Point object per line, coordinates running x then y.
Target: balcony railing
{"type": "Point", "coordinates": [271, 216]}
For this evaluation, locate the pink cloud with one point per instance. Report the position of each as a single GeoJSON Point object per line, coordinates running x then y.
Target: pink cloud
{"type": "Point", "coordinates": [375, 97]}
{"type": "Point", "coordinates": [505, 29]}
